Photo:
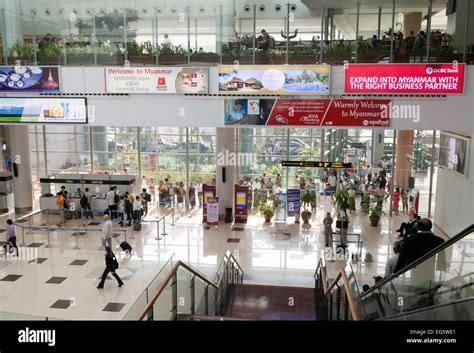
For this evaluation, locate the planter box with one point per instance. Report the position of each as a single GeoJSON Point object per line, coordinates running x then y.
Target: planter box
{"type": "Point", "coordinates": [103, 59]}
{"type": "Point", "coordinates": [303, 59]}
{"type": "Point", "coordinates": [23, 59]}
{"type": "Point", "coordinates": [269, 59]}
{"type": "Point", "coordinates": [81, 60]}
{"type": "Point", "coordinates": [50, 60]}
{"type": "Point", "coordinates": [142, 59]}
{"type": "Point", "coordinates": [210, 59]}
{"type": "Point", "coordinates": [243, 60]}
{"type": "Point", "coordinates": [172, 59]}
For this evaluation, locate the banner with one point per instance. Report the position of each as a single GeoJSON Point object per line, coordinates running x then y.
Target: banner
{"type": "Point", "coordinates": [293, 202]}
{"type": "Point", "coordinates": [277, 79]}
{"type": "Point", "coordinates": [43, 110]}
{"type": "Point", "coordinates": [280, 213]}
{"type": "Point", "coordinates": [309, 112]}
{"type": "Point", "coordinates": [404, 78]}
{"type": "Point", "coordinates": [42, 79]}
{"type": "Point", "coordinates": [213, 211]}
{"type": "Point", "coordinates": [165, 79]}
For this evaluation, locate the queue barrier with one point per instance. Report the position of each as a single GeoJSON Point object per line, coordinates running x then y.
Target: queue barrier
{"type": "Point", "coordinates": [50, 229]}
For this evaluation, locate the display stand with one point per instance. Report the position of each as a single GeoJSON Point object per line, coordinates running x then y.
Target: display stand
{"type": "Point", "coordinates": [209, 191]}
{"type": "Point", "coordinates": [241, 203]}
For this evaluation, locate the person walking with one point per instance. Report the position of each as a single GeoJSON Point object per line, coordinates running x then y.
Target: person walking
{"type": "Point", "coordinates": [121, 208]}
{"type": "Point", "coordinates": [10, 234]}
{"type": "Point", "coordinates": [88, 203]}
{"type": "Point", "coordinates": [328, 230]}
{"type": "Point", "coordinates": [404, 196]}
{"type": "Point", "coordinates": [396, 199]}
{"type": "Point", "coordinates": [107, 232]}
{"type": "Point", "coordinates": [111, 202]}
{"type": "Point", "coordinates": [111, 265]}
{"type": "Point", "coordinates": [352, 204]}
{"type": "Point", "coordinates": [137, 210]}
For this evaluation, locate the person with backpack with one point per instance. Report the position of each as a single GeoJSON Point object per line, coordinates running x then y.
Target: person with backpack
{"type": "Point", "coordinates": [86, 203]}
{"type": "Point", "coordinates": [145, 197]}
{"type": "Point", "coordinates": [111, 265]}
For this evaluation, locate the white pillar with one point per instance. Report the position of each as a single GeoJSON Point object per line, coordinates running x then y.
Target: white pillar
{"type": "Point", "coordinates": [19, 143]}
{"type": "Point", "coordinates": [377, 145]}
{"type": "Point", "coordinates": [225, 143]}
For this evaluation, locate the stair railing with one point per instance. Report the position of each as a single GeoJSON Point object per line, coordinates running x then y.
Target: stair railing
{"type": "Point", "coordinates": [185, 287]}
{"type": "Point", "coordinates": [335, 300]}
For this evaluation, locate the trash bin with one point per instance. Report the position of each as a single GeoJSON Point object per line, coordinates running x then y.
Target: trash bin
{"type": "Point", "coordinates": [228, 214]}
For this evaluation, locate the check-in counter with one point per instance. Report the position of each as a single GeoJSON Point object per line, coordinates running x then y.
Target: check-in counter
{"type": "Point", "coordinates": [7, 203]}
{"type": "Point", "coordinates": [98, 184]}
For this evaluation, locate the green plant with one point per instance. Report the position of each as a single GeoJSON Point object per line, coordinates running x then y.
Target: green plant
{"type": "Point", "coordinates": [365, 203]}
{"type": "Point", "coordinates": [376, 211]}
{"type": "Point", "coordinates": [267, 210]}
{"type": "Point", "coordinates": [50, 50]}
{"type": "Point", "coordinates": [307, 199]}
{"type": "Point", "coordinates": [20, 49]}
{"type": "Point", "coordinates": [341, 197]}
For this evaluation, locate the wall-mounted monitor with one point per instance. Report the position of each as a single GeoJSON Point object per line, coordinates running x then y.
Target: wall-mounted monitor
{"type": "Point", "coordinates": [450, 7]}
{"type": "Point", "coordinates": [454, 152]}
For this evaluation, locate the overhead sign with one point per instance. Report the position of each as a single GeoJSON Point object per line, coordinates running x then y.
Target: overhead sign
{"type": "Point", "coordinates": [308, 112]}
{"type": "Point", "coordinates": [277, 79]}
{"type": "Point", "coordinates": [42, 79]}
{"type": "Point", "coordinates": [43, 110]}
{"type": "Point", "coordinates": [404, 78]}
{"type": "Point", "coordinates": [312, 164]}
{"type": "Point", "coordinates": [165, 79]}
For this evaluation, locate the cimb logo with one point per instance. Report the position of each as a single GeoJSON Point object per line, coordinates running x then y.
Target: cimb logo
{"type": "Point", "coordinates": [37, 336]}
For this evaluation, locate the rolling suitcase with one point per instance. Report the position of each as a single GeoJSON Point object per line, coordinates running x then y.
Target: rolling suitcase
{"type": "Point", "coordinates": [126, 247]}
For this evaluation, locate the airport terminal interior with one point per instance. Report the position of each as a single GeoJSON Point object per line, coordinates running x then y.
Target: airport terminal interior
{"type": "Point", "coordinates": [236, 160]}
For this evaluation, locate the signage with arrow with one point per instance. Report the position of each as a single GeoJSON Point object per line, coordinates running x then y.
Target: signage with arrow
{"type": "Point", "coordinates": [314, 164]}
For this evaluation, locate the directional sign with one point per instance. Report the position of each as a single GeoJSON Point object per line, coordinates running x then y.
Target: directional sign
{"type": "Point", "coordinates": [312, 164]}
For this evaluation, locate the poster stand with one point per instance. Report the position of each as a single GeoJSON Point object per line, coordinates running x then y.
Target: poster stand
{"type": "Point", "coordinates": [208, 191]}
{"type": "Point", "coordinates": [241, 203]}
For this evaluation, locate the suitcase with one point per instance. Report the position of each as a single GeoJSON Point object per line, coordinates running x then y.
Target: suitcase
{"type": "Point", "coordinates": [126, 247]}
{"type": "Point", "coordinates": [68, 215]}
{"type": "Point", "coordinates": [137, 226]}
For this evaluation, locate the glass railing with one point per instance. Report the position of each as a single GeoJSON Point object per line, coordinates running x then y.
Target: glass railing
{"type": "Point", "coordinates": [184, 292]}
{"type": "Point", "coordinates": [145, 297]}
{"type": "Point", "coordinates": [442, 277]}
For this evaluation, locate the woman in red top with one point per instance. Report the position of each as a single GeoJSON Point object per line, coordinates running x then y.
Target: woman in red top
{"type": "Point", "coordinates": [396, 199]}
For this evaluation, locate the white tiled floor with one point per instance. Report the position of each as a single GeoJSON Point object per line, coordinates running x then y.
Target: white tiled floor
{"type": "Point", "coordinates": [265, 253]}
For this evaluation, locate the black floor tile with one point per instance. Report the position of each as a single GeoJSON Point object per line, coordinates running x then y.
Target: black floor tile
{"type": "Point", "coordinates": [56, 280]}
{"type": "Point", "coordinates": [61, 304]}
{"type": "Point", "coordinates": [38, 260]}
{"type": "Point", "coordinates": [35, 245]}
{"type": "Point", "coordinates": [78, 262]}
{"type": "Point", "coordinates": [233, 240]}
{"type": "Point", "coordinates": [114, 307]}
{"type": "Point", "coordinates": [94, 223]}
{"type": "Point", "coordinates": [235, 229]}
{"type": "Point", "coordinates": [11, 278]}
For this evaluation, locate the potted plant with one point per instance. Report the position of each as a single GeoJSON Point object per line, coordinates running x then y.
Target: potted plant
{"type": "Point", "coordinates": [79, 54]}
{"type": "Point", "coordinates": [170, 55]}
{"type": "Point", "coordinates": [365, 204]}
{"type": "Point", "coordinates": [375, 213]}
{"type": "Point", "coordinates": [306, 200]}
{"type": "Point", "coordinates": [268, 211]}
{"type": "Point", "coordinates": [205, 57]}
{"type": "Point", "coordinates": [109, 54]}
{"type": "Point", "coordinates": [141, 53]}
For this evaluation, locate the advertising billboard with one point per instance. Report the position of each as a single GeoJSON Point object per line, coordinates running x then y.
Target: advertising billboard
{"type": "Point", "coordinates": [276, 79]}
{"type": "Point", "coordinates": [308, 112]}
{"type": "Point", "coordinates": [157, 80]}
{"type": "Point", "coordinates": [404, 78]}
{"type": "Point", "coordinates": [41, 79]}
{"type": "Point", "coordinates": [43, 110]}
{"type": "Point", "coordinates": [454, 152]}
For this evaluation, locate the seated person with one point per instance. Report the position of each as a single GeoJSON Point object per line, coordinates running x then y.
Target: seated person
{"type": "Point", "coordinates": [392, 262]}
{"type": "Point", "coordinates": [417, 245]}
{"type": "Point", "coordinates": [264, 40]}
{"type": "Point", "coordinates": [408, 228]}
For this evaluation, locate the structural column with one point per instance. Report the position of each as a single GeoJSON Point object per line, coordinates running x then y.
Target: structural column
{"type": "Point", "coordinates": [377, 146]}
{"type": "Point", "coordinates": [19, 148]}
{"type": "Point", "coordinates": [225, 144]}
{"type": "Point", "coordinates": [403, 168]}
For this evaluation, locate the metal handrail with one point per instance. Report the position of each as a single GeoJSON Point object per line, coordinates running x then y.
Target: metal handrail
{"type": "Point", "coordinates": [174, 271]}
{"type": "Point", "coordinates": [468, 230]}
{"type": "Point", "coordinates": [327, 289]}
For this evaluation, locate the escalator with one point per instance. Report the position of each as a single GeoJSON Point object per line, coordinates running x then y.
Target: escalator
{"type": "Point", "coordinates": [437, 286]}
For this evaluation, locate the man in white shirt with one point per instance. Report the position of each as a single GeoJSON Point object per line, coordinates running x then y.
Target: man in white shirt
{"type": "Point", "coordinates": [390, 267]}
{"type": "Point", "coordinates": [332, 180]}
{"type": "Point", "coordinates": [111, 202]}
{"type": "Point", "coordinates": [137, 209]}
{"type": "Point", "coordinates": [107, 232]}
